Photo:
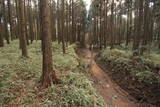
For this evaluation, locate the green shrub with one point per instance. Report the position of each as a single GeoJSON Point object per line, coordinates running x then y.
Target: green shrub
{"type": "Point", "coordinates": [77, 91]}
{"type": "Point", "coordinates": [146, 76]}
{"type": "Point", "coordinates": [141, 67]}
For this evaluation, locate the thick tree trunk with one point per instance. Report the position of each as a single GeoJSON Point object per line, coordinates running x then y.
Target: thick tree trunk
{"type": "Point", "coordinates": [146, 23]}
{"type": "Point", "coordinates": [48, 75]}
{"type": "Point", "coordinates": [138, 36]}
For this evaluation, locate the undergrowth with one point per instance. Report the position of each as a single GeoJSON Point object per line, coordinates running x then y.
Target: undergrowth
{"type": "Point", "coordinates": [20, 76]}
{"type": "Point", "coordinates": [144, 68]}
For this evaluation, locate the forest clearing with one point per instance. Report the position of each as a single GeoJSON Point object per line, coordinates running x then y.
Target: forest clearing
{"type": "Point", "coordinates": [79, 53]}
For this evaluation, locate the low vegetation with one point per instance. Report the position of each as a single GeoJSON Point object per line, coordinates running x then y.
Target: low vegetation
{"type": "Point", "coordinates": [136, 73]}
{"type": "Point", "coordinates": [19, 77]}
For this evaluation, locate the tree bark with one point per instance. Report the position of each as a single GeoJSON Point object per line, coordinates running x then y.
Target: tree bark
{"type": "Point", "coordinates": [1, 35]}
{"type": "Point", "coordinates": [23, 30]}
{"type": "Point", "coordinates": [48, 74]}
{"type": "Point", "coordinates": [63, 28]}
{"type": "Point", "coordinates": [112, 24]}
{"type": "Point", "coordinates": [10, 19]}
{"type": "Point", "coordinates": [139, 20]}
{"type": "Point", "coordinates": [5, 23]}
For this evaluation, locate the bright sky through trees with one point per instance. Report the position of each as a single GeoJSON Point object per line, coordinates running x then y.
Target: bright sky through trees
{"type": "Point", "coordinates": [88, 3]}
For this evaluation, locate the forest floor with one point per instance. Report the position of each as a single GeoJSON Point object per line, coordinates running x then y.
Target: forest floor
{"type": "Point", "coordinates": [84, 82]}
{"type": "Point", "coordinates": [112, 93]}
{"type": "Point", "coordinates": [19, 78]}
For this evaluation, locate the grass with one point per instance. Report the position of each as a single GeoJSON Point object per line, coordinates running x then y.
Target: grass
{"type": "Point", "coordinates": [20, 76]}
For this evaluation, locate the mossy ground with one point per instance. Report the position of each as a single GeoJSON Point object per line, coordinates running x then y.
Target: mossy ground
{"type": "Point", "coordinates": [20, 76]}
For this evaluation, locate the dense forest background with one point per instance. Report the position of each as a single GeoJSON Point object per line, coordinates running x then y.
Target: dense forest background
{"type": "Point", "coordinates": [109, 22]}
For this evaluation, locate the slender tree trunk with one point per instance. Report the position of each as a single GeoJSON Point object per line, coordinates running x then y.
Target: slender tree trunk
{"type": "Point", "coordinates": [18, 24]}
{"type": "Point", "coordinates": [112, 24]}
{"type": "Point", "coordinates": [10, 19]}
{"type": "Point", "coordinates": [1, 35]}
{"type": "Point", "coordinates": [73, 23]}
{"type": "Point", "coordinates": [63, 28]}
{"type": "Point", "coordinates": [58, 21]}
{"type": "Point", "coordinates": [5, 23]}
{"type": "Point", "coordinates": [31, 32]}
{"type": "Point", "coordinates": [23, 30]}
{"type": "Point", "coordinates": [100, 27]}
{"type": "Point", "coordinates": [127, 35]}
{"type": "Point", "coordinates": [68, 24]}
{"type": "Point", "coordinates": [25, 14]}
{"type": "Point", "coordinates": [70, 20]}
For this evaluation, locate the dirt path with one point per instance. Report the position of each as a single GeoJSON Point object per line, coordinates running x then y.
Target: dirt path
{"type": "Point", "coordinates": [109, 90]}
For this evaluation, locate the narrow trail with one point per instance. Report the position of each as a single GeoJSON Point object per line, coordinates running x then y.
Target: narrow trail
{"type": "Point", "coordinates": [108, 89]}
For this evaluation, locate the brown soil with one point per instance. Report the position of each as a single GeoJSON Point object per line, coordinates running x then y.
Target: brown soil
{"type": "Point", "coordinates": [112, 93]}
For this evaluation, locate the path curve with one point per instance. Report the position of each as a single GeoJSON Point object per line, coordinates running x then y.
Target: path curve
{"type": "Point", "coordinates": [108, 89]}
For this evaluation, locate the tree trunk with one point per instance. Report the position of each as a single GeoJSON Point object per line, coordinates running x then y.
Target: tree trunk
{"type": "Point", "coordinates": [25, 14]}
{"type": "Point", "coordinates": [23, 30]}
{"type": "Point", "coordinates": [48, 74]}
{"type": "Point", "coordinates": [100, 27]}
{"type": "Point", "coordinates": [10, 19]}
{"type": "Point", "coordinates": [73, 22]}
{"type": "Point", "coordinates": [5, 23]}
{"type": "Point", "coordinates": [128, 29]}
{"type": "Point", "coordinates": [1, 35]}
{"type": "Point", "coordinates": [138, 23]}
{"type": "Point", "coordinates": [63, 31]}
{"type": "Point", "coordinates": [58, 22]}
{"type": "Point", "coordinates": [18, 24]}
{"type": "Point", "coordinates": [31, 32]}
{"type": "Point", "coordinates": [112, 24]}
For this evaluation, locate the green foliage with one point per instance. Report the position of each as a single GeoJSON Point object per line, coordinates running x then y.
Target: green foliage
{"type": "Point", "coordinates": [77, 91]}
{"type": "Point", "coordinates": [64, 61]}
{"type": "Point", "coordinates": [145, 68]}
{"type": "Point", "coordinates": [114, 53]}
{"type": "Point", "coordinates": [19, 76]}
{"type": "Point", "coordinates": [146, 76]}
